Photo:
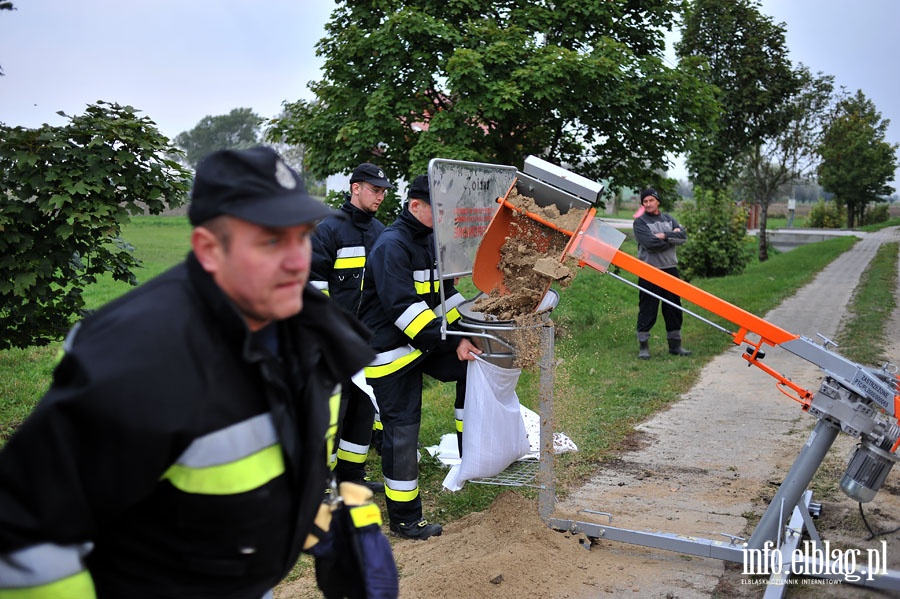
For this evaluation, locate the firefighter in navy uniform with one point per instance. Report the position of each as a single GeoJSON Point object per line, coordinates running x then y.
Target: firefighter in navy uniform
{"type": "Point", "coordinates": [340, 246]}
{"type": "Point", "coordinates": [181, 450]}
{"type": "Point", "coordinates": [401, 304]}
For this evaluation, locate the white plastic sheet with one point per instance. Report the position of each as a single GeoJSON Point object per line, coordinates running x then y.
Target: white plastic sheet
{"type": "Point", "coordinates": [494, 434]}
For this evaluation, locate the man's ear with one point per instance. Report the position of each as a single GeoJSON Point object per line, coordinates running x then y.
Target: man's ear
{"type": "Point", "coordinates": [207, 248]}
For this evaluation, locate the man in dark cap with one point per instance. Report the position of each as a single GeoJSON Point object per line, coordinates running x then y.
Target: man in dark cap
{"type": "Point", "coordinates": [341, 244]}
{"type": "Point", "coordinates": [658, 235]}
{"type": "Point", "coordinates": [181, 450]}
{"type": "Point", "coordinates": [402, 305]}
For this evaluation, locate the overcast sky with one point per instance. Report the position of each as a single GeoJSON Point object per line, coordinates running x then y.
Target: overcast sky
{"type": "Point", "coordinates": [180, 60]}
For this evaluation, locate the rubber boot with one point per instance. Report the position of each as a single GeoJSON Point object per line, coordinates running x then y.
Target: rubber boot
{"type": "Point", "coordinates": [644, 353]}
{"type": "Point", "coordinates": [674, 338]}
{"type": "Point", "coordinates": [644, 343]}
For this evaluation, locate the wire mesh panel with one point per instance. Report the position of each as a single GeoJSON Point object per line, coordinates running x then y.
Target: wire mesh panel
{"type": "Point", "coordinates": [521, 473]}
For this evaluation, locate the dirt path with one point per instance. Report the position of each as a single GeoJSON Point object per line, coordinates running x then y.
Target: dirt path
{"type": "Point", "coordinates": [708, 465]}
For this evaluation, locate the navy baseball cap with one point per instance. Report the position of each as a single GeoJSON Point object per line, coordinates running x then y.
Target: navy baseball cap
{"type": "Point", "coordinates": [370, 173]}
{"type": "Point", "coordinates": [420, 189]}
{"type": "Point", "coordinates": [254, 185]}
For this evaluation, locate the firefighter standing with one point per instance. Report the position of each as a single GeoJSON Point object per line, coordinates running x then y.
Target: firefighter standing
{"type": "Point", "coordinates": [340, 246]}
{"type": "Point", "coordinates": [401, 304]}
{"type": "Point", "coordinates": [181, 449]}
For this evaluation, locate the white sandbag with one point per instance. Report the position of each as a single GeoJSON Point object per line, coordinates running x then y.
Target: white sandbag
{"type": "Point", "coordinates": [494, 434]}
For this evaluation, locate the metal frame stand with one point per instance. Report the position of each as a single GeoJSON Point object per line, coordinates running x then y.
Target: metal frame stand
{"type": "Point", "coordinates": [546, 477]}
{"type": "Point", "coordinates": [773, 537]}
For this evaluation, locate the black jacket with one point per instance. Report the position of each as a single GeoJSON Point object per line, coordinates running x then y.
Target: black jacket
{"type": "Point", "coordinates": [401, 294]}
{"type": "Point", "coordinates": [120, 467]}
{"type": "Point", "coordinates": [341, 244]}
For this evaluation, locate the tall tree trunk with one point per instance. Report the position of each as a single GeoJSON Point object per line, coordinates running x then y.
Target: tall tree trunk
{"type": "Point", "coordinates": [763, 241]}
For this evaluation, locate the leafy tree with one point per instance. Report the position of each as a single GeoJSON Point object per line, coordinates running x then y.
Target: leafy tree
{"type": "Point", "coordinates": [295, 156]}
{"type": "Point", "coordinates": [580, 83]}
{"type": "Point", "coordinates": [67, 192]}
{"type": "Point", "coordinates": [747, 62]}
{"type": "Point", "coordinates": [790, 154]}
{"type": "Point", "coordinates": [237, 130]}
{"type": "Point", "coordinates": [857, 163]}
{"type": "Point", "coordinates": [717, 234]}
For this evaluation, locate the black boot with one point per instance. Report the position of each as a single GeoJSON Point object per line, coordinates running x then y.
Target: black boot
{"type": "Point", "coordinates": [643, 338]}
{"type": "Point", "coordinates": [644, 353]}
{"type": "Point", "coordinates": [675, 345]}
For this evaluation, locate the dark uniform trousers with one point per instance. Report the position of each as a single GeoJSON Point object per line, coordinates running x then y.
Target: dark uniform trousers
{"type": "Point", "coordinates": [648, 305]}
{"type": "Point", "coordinates": [357, 416]}
{"type": "Point", "coordinates": [399, 397]}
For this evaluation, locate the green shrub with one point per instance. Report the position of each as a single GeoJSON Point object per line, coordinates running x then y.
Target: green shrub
{"type": "Point", "coordinates": [717, 235]}
{"type": "Point", "coordinates": [826, 215]}
{"type": "Point", "coordinates": [875, 214]}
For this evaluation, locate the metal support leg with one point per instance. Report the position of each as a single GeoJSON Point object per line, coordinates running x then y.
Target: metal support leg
{"type": "Point", "coordinates": [778, 580]}
{"type": "Point", "coordinates": [546, 479]}
{"type": "Point", "coordinates": [796, 482]}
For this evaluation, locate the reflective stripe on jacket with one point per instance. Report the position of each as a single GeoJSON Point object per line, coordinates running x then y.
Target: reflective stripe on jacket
{"type": "Point", "coordinates": [340, 247]}
{"type": "Point", "coordinates": [401, 297]}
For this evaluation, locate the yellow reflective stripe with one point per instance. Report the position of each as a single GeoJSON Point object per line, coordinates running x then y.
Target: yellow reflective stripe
{"type": "Point", "coordinates": [77, 586]}
{"type": "Point", "coordinates": [454, 300]}
{"type": "Point", "coordinates": [334, 407]}
{"type": "Point", "coordinates": [377, 426]}
{"type": "Point", "coordinates": [334, 410]}
{"type": "Point", "coordinates": [453, 315]}
{"type": "Point", "coordinates": [450, 303]}
{"type": "Point", "coordinates": [410, 314]}
{"type": "Point", "coordinates": [365, 515]}
{"type": "Point", "coordinates": [347, 263]}
{"type": "Point", "coordinates": [459, 425]}
{"type": "Point", "coordinates": [400, 495]}
{"type": "Point", "coordinates": [349, 456]}
{"type": "Point", "coordinates": [239, 476]}
{"type": "Point", "coordinates": [419, 322]}
{"type": "Point", "coordinates": [426, 287]}
{"type": "Point", "coordinates": [375, 372]}
{"type": "Point", "coordinates": [352, 452]}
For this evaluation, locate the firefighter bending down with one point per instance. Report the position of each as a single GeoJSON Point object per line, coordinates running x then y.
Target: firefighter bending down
{"type": "Point", "coordinates": [401, 304]}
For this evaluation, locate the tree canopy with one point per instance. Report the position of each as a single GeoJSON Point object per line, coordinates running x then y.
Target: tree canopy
{"type": "Point", "coordinates": [790, 154]}
{"type": "Point", "coordinates": [66, 193]}
{"type": "Point", "coordinates": [747, 62]}
{"type": "Point", "coordinates": [857, 162]}
{"type": "Point", "coordinates": [237, 130]}
{"type": "Point", "coordinates": [581, 83]}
